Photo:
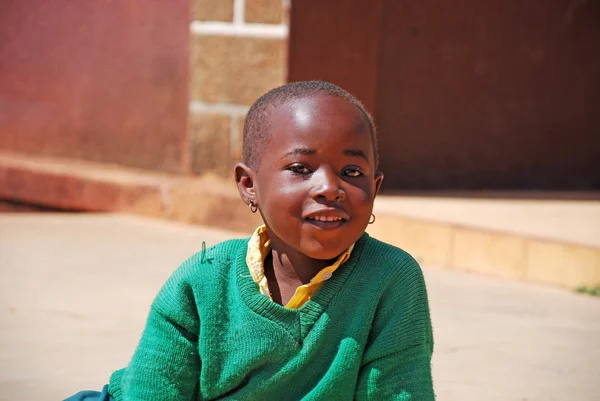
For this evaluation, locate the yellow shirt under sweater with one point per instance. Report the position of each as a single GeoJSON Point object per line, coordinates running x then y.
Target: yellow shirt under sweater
{"type": "Point", "coordinates": [259, 247]}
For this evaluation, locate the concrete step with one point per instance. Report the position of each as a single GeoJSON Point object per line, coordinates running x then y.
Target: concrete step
{"type": "Point", "coordinates": [549, 241]}
{"type": "Point", "coordinates": [85, 186]}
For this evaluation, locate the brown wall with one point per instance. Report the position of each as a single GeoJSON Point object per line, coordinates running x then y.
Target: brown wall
{"type": "Point", "coordinates": [101, 81]}
{"type": "Point", "coordinates": [337, 41]}
{"type": "Point", "coordinates": [468, 94]}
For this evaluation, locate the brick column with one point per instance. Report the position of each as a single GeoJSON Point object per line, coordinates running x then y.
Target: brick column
{"type": "Point", "coordinates": [239, 51]}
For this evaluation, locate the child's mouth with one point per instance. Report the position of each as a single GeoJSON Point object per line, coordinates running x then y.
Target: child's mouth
{"type": "Point", "coordinates": [327, 221]}
{"type": "Point", "coordinates": [326, 224]}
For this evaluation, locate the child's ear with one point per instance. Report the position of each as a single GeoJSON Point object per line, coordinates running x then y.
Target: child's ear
{"type": "Point", "coordinates": [378, 181]}
{"type": "Point", "coordinates": [244, 178]}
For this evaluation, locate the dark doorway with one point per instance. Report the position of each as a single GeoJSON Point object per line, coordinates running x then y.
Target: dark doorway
{"type": "Point", "coordinates": [467, 94]}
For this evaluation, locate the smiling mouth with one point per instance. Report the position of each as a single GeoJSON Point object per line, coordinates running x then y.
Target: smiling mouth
{"type": "Point", "coordinates": [329, 219]}
{"type": "Point", "coordinates": [326, 222]}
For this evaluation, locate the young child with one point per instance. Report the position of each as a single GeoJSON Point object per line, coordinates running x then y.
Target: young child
{"type": "Point", "coordinates": [310, 307]}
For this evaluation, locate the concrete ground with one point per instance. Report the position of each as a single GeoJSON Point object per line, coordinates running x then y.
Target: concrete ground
{"type": "Point", "coordinates": [75, 290]}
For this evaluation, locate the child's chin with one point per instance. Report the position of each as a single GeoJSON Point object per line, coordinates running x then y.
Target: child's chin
{"type": "Point", "coordinates": [321, 252]}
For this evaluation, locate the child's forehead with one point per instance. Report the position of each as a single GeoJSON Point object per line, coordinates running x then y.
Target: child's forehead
{"type": "Point", "coordinates": [316, 114]}
{"type": "Point", "coordinates": [320, 127]}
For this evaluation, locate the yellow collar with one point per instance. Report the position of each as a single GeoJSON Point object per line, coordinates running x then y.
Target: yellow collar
{"type": "Point", "coordinates": [259, 247]}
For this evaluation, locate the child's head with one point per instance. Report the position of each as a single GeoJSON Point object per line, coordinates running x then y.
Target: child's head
{"type": "Point", "coordinates": [310, 165]}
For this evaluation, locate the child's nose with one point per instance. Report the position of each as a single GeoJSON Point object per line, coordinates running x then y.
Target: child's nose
{"type": "Point", "coordinates": [328, 187]}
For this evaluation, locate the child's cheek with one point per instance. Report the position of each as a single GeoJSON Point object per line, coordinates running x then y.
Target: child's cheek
{"type": "Point", "coordinates": [364, 195]}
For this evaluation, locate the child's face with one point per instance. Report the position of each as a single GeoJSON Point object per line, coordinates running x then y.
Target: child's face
{"type": "Point", "coordinates": [318, 165]}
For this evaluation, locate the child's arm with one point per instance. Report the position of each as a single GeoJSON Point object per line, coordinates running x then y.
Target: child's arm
{"type": "Point", "coordinates": [166, 363]}
{"type": "Point", "coordinates": [397, 361]}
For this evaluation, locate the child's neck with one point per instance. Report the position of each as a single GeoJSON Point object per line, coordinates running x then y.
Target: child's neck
{"type": "Point", "coordinates": [287, 269]}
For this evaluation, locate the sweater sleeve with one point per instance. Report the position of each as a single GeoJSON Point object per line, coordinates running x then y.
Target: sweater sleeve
{"type": "Point", "coordinates": [166, 363]}
{"type": "Point", "coordinates": [397, 361]}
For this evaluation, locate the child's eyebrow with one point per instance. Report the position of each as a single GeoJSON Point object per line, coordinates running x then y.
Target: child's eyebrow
{"type": "Point", "coordinates": [301, 151]}
{"type": "Point", "coordinates": [356, 153]}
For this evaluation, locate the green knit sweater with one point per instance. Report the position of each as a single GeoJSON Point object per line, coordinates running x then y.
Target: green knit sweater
{"type": "Point", "coordinates": [211, 335]}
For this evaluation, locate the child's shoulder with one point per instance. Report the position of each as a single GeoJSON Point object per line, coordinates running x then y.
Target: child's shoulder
{"type": "Point", "coordinates": [211, 260]}
{"type": "Point", "coordinates": [391, 261]}
{"type": "Point", "coordinates": [222, 251]}
{"type": "Point", "coordinates": [389, 254]}
{"type": "Point", "coordinates": [202, 273]}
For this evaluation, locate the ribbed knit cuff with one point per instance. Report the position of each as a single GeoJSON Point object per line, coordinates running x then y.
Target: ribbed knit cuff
{"type": "Point", "coordinates": [114, 385]}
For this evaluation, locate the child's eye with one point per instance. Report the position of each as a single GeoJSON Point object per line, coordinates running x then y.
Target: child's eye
{"type": "Point", "coordinates": [352, 172]}
{"type": "Point", "coordinates": [299, 169]}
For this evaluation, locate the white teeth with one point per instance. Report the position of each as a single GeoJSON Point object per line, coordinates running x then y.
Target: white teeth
{"type": "Point", "coordinates": [325, 218]}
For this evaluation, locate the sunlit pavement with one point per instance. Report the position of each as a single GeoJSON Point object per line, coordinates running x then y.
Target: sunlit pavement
{"type": "Point", "coordinates": [75, 290]}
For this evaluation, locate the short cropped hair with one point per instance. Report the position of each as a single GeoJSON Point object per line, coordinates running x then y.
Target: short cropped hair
{"type": "Point", "coordinates": [256, 129]}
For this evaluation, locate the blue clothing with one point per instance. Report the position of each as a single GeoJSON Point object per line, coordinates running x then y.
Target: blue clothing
{"type": "Point", "coordinates": [92, 396]}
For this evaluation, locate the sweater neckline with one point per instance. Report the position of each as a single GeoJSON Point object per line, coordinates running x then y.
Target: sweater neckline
{"type": "Point", "coordinates": [297, 322]}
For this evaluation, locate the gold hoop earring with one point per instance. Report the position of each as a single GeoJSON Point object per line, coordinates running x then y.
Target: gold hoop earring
{"type": "Point", "coordinates": [372, 220]}
{"type": "Point", "coordinates": [252, 206]}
